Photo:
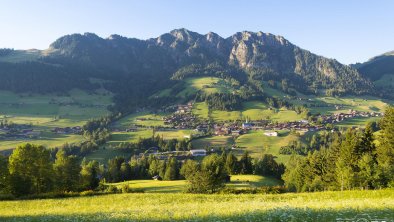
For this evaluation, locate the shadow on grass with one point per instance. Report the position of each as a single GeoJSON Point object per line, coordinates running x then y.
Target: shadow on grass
{"type": "Point", "coordinates": [280, 214]}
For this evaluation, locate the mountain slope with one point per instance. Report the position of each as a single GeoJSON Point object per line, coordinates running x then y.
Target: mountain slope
{"type": "Point", "coordinates": [378, 66]}
{"type": "Point", "coordinates": [136, 69]}
{"type": "Point", "coordinates": [380, 69]}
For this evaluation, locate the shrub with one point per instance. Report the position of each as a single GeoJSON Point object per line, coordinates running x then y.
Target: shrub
{"type": "Point", "coordinates": [112, 189]}
{"type": "Point", "coordinates": [125, 188]}
{"type": "Point", "coordinates": [87, 193]}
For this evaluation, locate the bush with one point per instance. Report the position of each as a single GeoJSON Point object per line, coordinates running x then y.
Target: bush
{"type": "Point", "coordinates": [87, 193]}
{"type": "Point", "coordinates": [125, 188]}
{"type": "Point", "coordinates": [272, 189]}
{"type": "Point", "coordinates": [257, 190]}
{"type": "Point", "coordinates": [112, 189]}
{"type": "Point", "coordinates": [7, 197]}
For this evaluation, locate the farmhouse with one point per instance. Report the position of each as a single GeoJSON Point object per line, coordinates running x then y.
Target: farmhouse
{"type": "Point", "coordinates": [247, 125]}
{"type": "Point", "coordinates": [199, 152]}
{"type": "Point", "coordinates": [271, 133]}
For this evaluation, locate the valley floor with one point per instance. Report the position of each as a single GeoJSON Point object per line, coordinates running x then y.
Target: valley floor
{"type": "Point", "coordinates": [320, 206]}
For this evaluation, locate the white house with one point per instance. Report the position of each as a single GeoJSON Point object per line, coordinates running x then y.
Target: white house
{"type": "Point", "coordinates": [200, 152]}
{"type": "Point", "coordinates": [271, 133]}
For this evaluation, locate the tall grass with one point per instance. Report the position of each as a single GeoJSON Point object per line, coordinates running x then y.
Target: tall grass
{"type": "Point", "coordinates": [323, 206]}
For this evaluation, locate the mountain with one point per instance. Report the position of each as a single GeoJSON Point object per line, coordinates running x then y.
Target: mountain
{"type": "Point", "coordinates": [135, 69]}
{"type": "Point", "coordinates": [377, 66]}
{"type": "Point", "coordinates": [380, 69]}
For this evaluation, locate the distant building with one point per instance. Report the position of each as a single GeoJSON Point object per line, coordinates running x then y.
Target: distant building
{"type": "Point", "coordinates": [236, 132]}
{"type": "Point", "coordinates": [247, 125]}
{"type": "Point", "coordinates": [303, 121]}
{"type": "Point", "coordinates": [271, 133]}
{"type": "Point", "coordinates": [157, 177]}
{"type": "Point", "coordinates": [199, 152]}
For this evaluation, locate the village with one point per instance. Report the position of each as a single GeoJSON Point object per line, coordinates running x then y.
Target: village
{"type": "Point", "coordinates": [183, 118]}
{"type": "Point", "coordinates": [18, 131]}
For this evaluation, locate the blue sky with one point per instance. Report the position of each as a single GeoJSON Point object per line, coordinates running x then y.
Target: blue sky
{"type": "Point", "coordinates": [347, 30]}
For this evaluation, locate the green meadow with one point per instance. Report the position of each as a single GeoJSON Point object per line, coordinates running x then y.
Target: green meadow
{"type": "Point", "coordinates": [46, 112]}
{"type": "Point", "coordinates": [145, 119]}
{"type": "Point", "coordinates": [318, 206]}
{"type": "Point", "coordinates": [179, 186]}
{"type": "Point", "coordinates": [257, 144]}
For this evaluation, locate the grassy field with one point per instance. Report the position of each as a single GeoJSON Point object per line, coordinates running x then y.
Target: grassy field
{"type": "Point", "coordinates": [201, 110]}
{"type": "Point", "coordinates": [252, 113]}
{"type": "Point", "coordinates": [178, 186]}
{"type": "Point", "coordinates": [104, 154]}
{"type": "Point", "coordinates": [320, 206]}
{"type": "Point", "coordinates": [206, 84]}
{"type": "Point", "coordinates": [213, 141]}
{"type": "Point", "coordinates": [357, 122]}
{"type": "Point", "coordinates": [257, 144]}
{"type": "Point", "coordinates": [47, 139]}
{"type": "Point", "coordinates": [366, 103]}
{"type": "Point", "coordinates": [136, 119]}
{"type": "Point", "coordinates": [45, 112]}
{"type": "Point", "coordinates": [118, 137]}
{"type": "Point", "coordinates": [174, 134]}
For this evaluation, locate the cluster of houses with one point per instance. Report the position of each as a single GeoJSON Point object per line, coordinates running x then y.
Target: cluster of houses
{"type": "Point", "coordinates": [180, 120]}
{"type": "Point", "coordinates": [68, 130]}
{"type": "Point", "coordinates": [231, 129]}
{"type": "Point", "coordinates": [185, 108]}
{"type": "Point", "coordinates": [179, 155]}
{"type": "Point", "coordinates": [19, 132]}
{"type": "Point", "coordinates": [339, 117]}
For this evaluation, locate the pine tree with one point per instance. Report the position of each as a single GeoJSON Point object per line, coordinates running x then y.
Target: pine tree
{"type": "Point", "coordinates": [172, 169]}
{"type": "Point", "coordinates": [231, 163]}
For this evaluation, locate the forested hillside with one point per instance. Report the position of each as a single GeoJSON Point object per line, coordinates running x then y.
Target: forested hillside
{"type": "Point", "coordinates": [136, 69]}
{"type": "Point", "coordinates": [380, 69]}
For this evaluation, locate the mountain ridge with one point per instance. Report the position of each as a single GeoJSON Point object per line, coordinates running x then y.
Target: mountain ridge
{"type": "Point", "coordinates": [257, 56]}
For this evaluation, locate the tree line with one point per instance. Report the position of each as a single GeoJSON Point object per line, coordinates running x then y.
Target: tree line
{"type": "Point", "coordinates": [351, 160]}
{"type": "Point", "coordinates": [32, 170]}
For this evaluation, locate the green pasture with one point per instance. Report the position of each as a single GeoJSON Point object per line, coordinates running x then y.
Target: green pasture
{"type": "Point", "coordinates": [151, 120]}
{"type": "Point", "coordinates": [213, 141]}
{"type": "Point", "coordinates": [46, 112]}
{"type": "Point", "coordinates": [256, 143]}
{"type": "Point", "coordinates": [177, 186]}
{"type": "Point", "coordinates": [319, 206]}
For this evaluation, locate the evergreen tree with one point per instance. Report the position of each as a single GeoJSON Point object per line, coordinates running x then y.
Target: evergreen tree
{"type": "Point", "coordinates": [245, 162]}
{"type": "Point", "coordinates": [172, 169]}
{"type": "Point", "coordinates": [385, 151]}
{"type": "Point", "coordinates": [231, 163]}
{"type": "Point", "coordinates": [4, 175]}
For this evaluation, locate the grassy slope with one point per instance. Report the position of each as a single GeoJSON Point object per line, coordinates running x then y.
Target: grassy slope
{"type": "Point", "coordinates": [320, 206]}
{"type": "Point", "coordinates": [154, 120]}
{"type": "Point", "coordinates": [206, 84]}
{"type": "Point", "coordinates": [213, 141]}
{"type": "Point", "coordinates": [257, 144]}
{"type": "Point", "coordinates": [201, 110]}
{"type": "Point", "coordinates": [46, 112]}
